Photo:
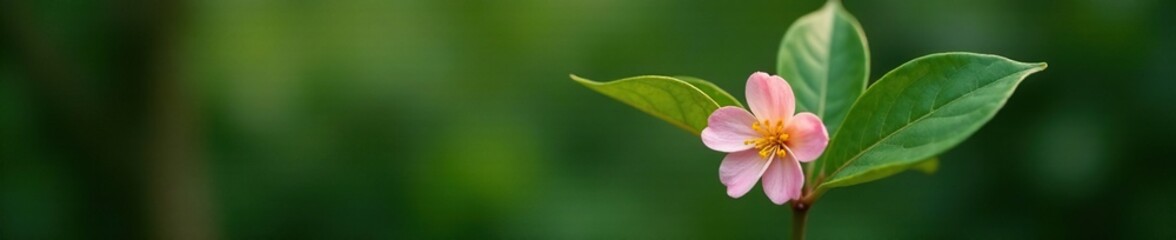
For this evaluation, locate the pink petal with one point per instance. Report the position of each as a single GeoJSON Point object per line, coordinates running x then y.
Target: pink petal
{"type": "Point", "coordinates": [728, 128]}
{"type": "Point", "coordinates": [807, 137]}
{"type": "Point", "coordinates": [783, 180]}
{"type": "Point", "coordinates": [740, 170]}
{"type": "Point", "coordinates": [770, 97]}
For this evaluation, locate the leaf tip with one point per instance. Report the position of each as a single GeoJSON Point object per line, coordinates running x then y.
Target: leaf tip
{"type": "Point", "coordinates": [1040, 65]}
{"type": "Point", "coordinates": [1035, 67]}
{"type": "Point", "coordinates": [581, 80]}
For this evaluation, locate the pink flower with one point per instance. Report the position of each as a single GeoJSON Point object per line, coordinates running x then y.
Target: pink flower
{"type": "Point", "coordinates": [770, 144]}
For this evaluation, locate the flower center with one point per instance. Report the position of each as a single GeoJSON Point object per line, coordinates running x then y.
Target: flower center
{"type": "Point", "coordinates": [772, 138]}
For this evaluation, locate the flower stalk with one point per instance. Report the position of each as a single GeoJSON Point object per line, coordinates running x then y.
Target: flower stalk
{"type": "Point", "coordinates": [799, 218]}
{"type": "Point", "coordinates": [800, 208]}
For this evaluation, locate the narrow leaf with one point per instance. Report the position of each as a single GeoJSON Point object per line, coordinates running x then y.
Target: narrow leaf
{"type": "Point", "coordinates": [825, 58]}
{"type": "Point", "coordinates": [713, 91]}
{"type": "Point", "coordinates": [669, 99]}
{"type": "Point", "coordinates": [917, 111]}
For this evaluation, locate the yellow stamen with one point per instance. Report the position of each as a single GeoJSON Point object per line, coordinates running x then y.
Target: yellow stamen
{"type": "Point", "coordinates": [772, 139]}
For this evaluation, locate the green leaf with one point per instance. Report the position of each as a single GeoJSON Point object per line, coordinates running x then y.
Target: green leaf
{"type": "Point", "coordinates": [667, 98]}
{"type": "Point", "coordinates": [825, 59]}
{"type": "Point", "coordinates": [714, 92]}
{"type": "Point", "coordinates": [918, 111]}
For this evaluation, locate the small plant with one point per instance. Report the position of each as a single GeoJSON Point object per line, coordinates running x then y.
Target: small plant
{"type": "Point", "coordinates": [845, 133]}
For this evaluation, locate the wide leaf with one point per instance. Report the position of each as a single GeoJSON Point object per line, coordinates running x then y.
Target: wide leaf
{"type": "Point", "coordinates": [667, 98]}
{"type": "Point", "coordinates": [825, 58]}
{"type": "Point", "coordinates": [918, 111]}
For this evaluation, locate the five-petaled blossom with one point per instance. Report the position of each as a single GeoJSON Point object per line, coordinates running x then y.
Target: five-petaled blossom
{"type": "Point", "coordinates": [769, 144]}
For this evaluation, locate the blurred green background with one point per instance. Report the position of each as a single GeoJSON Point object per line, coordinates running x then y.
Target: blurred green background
{"type": "Point", "coordinates": [456, 119]}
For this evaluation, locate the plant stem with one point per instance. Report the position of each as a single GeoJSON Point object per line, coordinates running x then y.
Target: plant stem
{"type": "Point", "coordinates": [799, 218]}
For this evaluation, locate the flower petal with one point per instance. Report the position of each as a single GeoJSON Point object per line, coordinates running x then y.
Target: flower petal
{"type": "Point", "coordinates": [728, 128]}
{"type": "Point", "coordinates": [770, 97]}
{"type": "Point", "coordinates": [783, 180]}
{"type": "Point", "coordinates": [740, 170]}
{"type": "Point", "coordinates": [807, 137]}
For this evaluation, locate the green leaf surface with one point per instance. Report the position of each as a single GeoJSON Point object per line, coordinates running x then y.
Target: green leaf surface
{"type": "Point", "coordinates": [918, 111]}
{"type": "Point", "coordinates": [713, 91]}
{"type": "Point", "coordinates": [667, 98]}
{"type": "Point", "coordinates": [825, 59]}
